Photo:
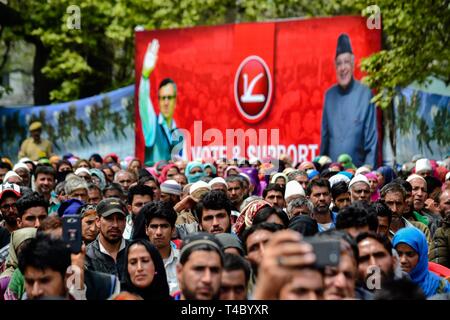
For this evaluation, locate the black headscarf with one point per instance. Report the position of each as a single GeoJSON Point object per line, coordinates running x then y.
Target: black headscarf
{"type": "Point", "coordinates": [159, 288]}
{"type": "Point", "coordinates": [304, 224]}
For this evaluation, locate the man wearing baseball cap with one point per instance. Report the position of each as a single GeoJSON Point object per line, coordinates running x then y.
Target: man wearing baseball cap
{"type": "Point", "coordinates": [35, 147]}
{"type": "Point", "coordinates": [107, 252]}
{"type": "Point", "coordinates": [9, 194]}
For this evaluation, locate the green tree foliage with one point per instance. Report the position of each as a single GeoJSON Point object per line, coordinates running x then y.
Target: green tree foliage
{"type": "Point", "coordinates": [74, 63]}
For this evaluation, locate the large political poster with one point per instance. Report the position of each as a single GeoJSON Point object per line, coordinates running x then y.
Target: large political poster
{"type": "Point", "coordinates": [242, 90]}
{"type": "Point", "coordinates": [99, 124]}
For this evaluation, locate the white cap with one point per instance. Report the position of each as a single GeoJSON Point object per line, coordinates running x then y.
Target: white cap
{"type": "Point", "coordinates": [415, 176]}
{"type": "Point", "coordinates": [10, 174]}
{"type": "Point", "coordinates": [217, 180]}
{"type": "Point", "coordinates": [288, 170]}
{"type": "Point", "coordinates": [25, 159]}
{"type": "Point", "coordinates": [253, 160]}
{"type": "Point", "coordinates": [293, 188]}
{"type": "Point", "coordinates": [278, 175]}
{"type": "Point", "coordinates": [198, 185]}
{"type": "Point", "coordinates": [21, 165]}
{"type": "Point", "coordinates": [362, 170]}
{"type": "Point", "coordinates": [359, 178]}
{"type": "Point", "coordinates": [80, 170]}
{"type": "Point", "coordinates": [338, 178]}
{"type": "Point", "coordinates": [246, 177]}
{"type": "Point", "coordinates": [324, 160]}
{"type": "Point", "coordinates": [447, 176]}
{"type": "Point", "coordinates": [171, 187]}
{"type": "Point", "coordinates": [423, 165]}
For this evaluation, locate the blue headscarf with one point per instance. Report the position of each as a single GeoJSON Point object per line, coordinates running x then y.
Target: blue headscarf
{"type": "Point", "coordinates": [388, 174]}
{"type": "Point", "coordinates": [428, 281]}
{"type": "Point", "coordinates": [192, 178]}
{"type": "Point", "coordinates": [98, 173]}
{"type": "Point", "coordinates": [213, 168]}
{"type": "Point", "coordinates": [70, 207]}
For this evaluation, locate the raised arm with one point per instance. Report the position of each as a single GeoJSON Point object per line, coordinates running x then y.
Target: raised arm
{"type": "Point", "coordinates": [146, 109]}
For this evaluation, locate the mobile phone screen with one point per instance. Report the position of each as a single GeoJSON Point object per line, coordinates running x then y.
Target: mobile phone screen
{"type": "Point", "coordinates": [72, 233]}
{"type": "Point", "coordinates": [327, 251]}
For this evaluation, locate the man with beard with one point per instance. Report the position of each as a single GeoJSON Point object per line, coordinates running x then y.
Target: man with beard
{"type": "Point", "coordinates": [235, 191]}
{"type": "Point", "coordinates": [419, 196]}
{"type": "Point", "coordinates": [200, 267]}
{"type": "Point", "coordinates": [160, 220]}
{"type": "Point", "coordinates": [319, 192]}
{"type": "Point", "coordinates": [274, 194]}
{"type": "Point", "coordinates": [107, 252]}
{"type": "Point", "coordinates": [440, 248]}
{"type": "Point", "coordinates": [213, 212]}
{"type": "Point", "coordinates": [394, 196]}
{"type": "Point", "coordinates": [170, 192]}
{"type": "Point", "coordinates": [9, 193]}
{"type": "Point", "coordinates": [340, 280]}
{"type": "Point", "coordinates": [376, 263]}
{"type": "Point", "coordinates": [359, 188]}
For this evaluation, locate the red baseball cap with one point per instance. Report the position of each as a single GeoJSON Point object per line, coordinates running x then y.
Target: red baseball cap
{"type": "Point", "coordinates": [9, 188]}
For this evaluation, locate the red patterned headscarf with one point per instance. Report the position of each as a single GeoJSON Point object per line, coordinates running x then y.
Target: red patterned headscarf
{"type": "Point", "coordinates": [245, 219]}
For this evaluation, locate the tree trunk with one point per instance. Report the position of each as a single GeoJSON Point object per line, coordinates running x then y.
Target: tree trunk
{"type": "Point", "coordinates": [42, 85]}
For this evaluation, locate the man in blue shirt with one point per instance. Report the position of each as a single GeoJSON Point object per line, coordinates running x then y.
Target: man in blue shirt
{"type": "Point", "coordinates": [162, 138]}
{"type": "Point", "coordinates": [349, 118]}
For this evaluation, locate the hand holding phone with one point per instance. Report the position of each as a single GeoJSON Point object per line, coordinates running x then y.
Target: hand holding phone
{"type": "Point", "coordinates": [72, 233]}
{"type": "Point", "coordinates": [327, 251]}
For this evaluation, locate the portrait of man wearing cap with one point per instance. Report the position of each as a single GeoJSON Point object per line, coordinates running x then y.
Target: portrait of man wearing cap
{"type": "Point", "coordinates": [35, 147]}
{"type": "Point", "coordinates": [348, 118]}
{"type": "Point", "coordinates": [9, 194]}
{"type": "Point", "coordinates": [170, 191]}
{"type": "Point", "coordinates": [107, 252]}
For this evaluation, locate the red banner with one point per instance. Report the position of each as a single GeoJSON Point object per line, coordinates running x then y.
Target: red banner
{"type": "Point", "coordinates": [256, 88]}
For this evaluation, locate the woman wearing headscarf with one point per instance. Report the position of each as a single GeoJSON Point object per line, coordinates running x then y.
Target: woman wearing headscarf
{"type": "Point", "coordinates": [346, 161]}
{"type": "Point", "coordinates": [306, 165]}
{"type": "Point", "coordinates": [373, 181]}
{"type": "Point", "coordinates": [279, 178]}
{"type": "Point", "coordinates": [194, 171]}
{"type": "Point", "coordinates": [98, 178]}
{"type": "Point", "coordinates": [231, 170]}
{"type": "Point", "coordinates": [18, 237]}
{"type": "Point", "coordinates": [210, 170]}
{"type": "Point", "coordinates": [133, 165]}
{"type": "Point", "coordinates": [386, 175]}
{"type": "Point", "coordinates": [252, 173]}
{"type": "Point", "coordinates": [245, 219]}
{"type": "Point", "coordinates": [145, 274]}
{"type": "Point", "coordinates": [412, 248]}
{"type": "Point", "coordinates": [168, 172]}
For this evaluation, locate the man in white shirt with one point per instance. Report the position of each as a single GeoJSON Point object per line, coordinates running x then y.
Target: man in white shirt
{"type": "Point", "coordinates": [138, 196]}
{"type": "Point", "coordinates": [160, 220]}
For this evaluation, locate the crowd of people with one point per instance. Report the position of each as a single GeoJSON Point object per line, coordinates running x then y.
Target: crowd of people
{"type": "Point", "coordinates": [224, 229]}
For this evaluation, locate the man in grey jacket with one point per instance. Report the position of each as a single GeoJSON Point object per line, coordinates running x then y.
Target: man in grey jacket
{"type": "Point", "coordinates": [107, 252]}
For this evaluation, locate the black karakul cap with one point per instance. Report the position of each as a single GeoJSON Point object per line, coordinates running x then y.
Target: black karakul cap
{"type": "Point", "coordinates": [343, 44]}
